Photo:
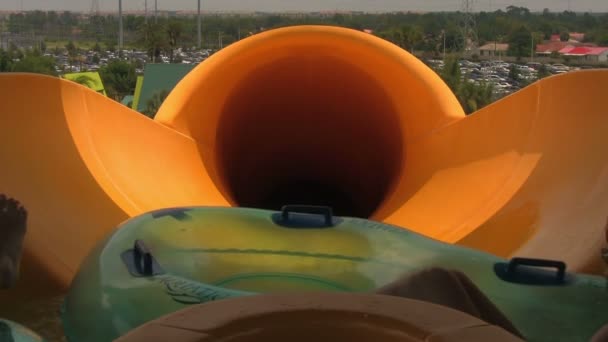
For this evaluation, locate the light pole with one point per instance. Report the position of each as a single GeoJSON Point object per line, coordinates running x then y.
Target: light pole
{"type": "Point", "coordinates": [120, 32]}
{"type": "Point", "coordinates": [444, 46]}
{"type": "Point", "coordinates": [200, 45]}
{"type": "Point", "coordinates": [532, 48]}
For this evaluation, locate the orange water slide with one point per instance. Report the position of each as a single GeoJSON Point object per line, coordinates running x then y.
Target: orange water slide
{"type": "Point", "coordinates": [319, 115]}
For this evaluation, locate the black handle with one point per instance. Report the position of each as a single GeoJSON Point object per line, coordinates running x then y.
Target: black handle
{"type": "Point", "coordinates": [559, 265]}
{"type": "Point", "coordinates": [141, 252]}
{"type": "Point", "coordinates": [308, 209]}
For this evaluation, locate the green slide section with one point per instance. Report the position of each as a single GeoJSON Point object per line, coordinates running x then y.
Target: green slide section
{"type": "Point", "coordinates": [88, 79]}
{"type": "Point", "coordinates": [159, 77]}
{"type": "Point", "coordinates": [163, 261]}
{"type": "Point", "coordinates": [137, 95]}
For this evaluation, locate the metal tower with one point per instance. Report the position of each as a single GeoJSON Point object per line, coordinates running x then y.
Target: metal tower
{"type": "Point", "coordinates": [120, 30]}
{"type": "Point", "coordinates": [199, 41]}
{"type": "Point", "coordinates": [468, 26]}
{"type": "Point", "coordinates": [95, 8]}
{"type": "Point", "coordinates": [94, 18]}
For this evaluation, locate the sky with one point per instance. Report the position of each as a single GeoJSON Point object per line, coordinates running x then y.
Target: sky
{"type": "Point", "coordinates": [307, 5]}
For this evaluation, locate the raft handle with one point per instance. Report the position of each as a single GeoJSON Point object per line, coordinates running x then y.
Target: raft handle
{"type": "Point", "coordinates": [559, 265]}
{"type": "Point", "coordinates": [140, 250]}
{"type": "Point", "coordinates": [308, 209]}
{"type": "Point", "coordinates": [526, 271]}
{"type": "Point", "coordinates": [140, 262]}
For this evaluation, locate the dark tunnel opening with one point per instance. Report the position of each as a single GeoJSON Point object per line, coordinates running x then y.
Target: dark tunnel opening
{"type": "Point", "coordinates": [309, 130]}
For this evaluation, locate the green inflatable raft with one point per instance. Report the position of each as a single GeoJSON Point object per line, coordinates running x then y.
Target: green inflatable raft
{"type": "Point", "coordinates": [13, 332]}
{"type": "Point", "coordinates": [166, 260]}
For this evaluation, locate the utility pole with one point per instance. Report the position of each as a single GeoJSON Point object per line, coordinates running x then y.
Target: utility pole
{"type": "Point", "coordinates": [95, 8]}
{"type": "Point", "coordinates": [532, 48]}
{"type": "Point", "coordinates": [443, 31]}
{"type": "Point", "coordinates": [468, 24]}
{"type": "Point", "coordinates": [199, 39]}
{"type": "Point", "coordinates": [155, 11]}
{"type": "Point", "coordinates": [146, 11]}
{"type": "Point", "coordinates": [94, 17]}
{"type": "Point", "coordinates": [120, 30]}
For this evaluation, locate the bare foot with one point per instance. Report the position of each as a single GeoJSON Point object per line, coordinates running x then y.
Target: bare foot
{"type": "Point", "coordinates": [13, 220]}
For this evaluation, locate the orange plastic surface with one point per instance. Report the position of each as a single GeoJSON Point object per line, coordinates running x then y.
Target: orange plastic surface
{"type": "Point", "coordinates": [313, 113]}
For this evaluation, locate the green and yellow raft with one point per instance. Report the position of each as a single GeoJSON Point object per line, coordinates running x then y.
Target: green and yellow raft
{"type": "Point", "coordinates": [163, 261]}
{"type": "Point", "coordinates": [13, 332]}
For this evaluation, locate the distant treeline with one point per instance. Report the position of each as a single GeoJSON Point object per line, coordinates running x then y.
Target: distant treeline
{"type": "Point", "coordinates": [413, 31]}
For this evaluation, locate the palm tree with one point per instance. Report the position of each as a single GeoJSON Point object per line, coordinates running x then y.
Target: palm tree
{"type": "Point", "coordinates": [72, 53]}
{"type": "Point", "coordinates": [174, 32]}
{"type": "Point", "coordinates": [153, 38]}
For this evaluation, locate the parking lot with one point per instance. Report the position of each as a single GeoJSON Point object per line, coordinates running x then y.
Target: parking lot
{"type": "Point", "coordinates": [499, 73]}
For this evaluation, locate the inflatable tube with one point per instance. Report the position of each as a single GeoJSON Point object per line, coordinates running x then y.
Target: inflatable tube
{"type": "Point", "coordinates": [166, 260]}
{"type": "Point", "coordinates": [13, 332]}
{"type": "Point", "coordinates": [320, 318]}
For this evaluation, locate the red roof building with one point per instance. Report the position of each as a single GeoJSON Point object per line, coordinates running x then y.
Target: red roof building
{"type": "Point", "coordinates": [589, 53]}
{"type": "Point", "coordinates": [552, 46]}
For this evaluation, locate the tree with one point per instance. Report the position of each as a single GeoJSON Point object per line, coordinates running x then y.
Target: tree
{"type": "Point", "coordinates": [415, 37]}
{"type": "Point", "coordinates": [474, 96]}
{"type": "Point", "coordinates": [543, 71]}
{"type": "Point", "coordinates": [6, 62]}
{"type": "Point", "coordinates": [152, 36]}
{"type": "Point", "coordinates": [110, 45]}
{"type": "Point", "coordinates": [451, 73]}
{"type": "Point", "coordinates": [514, 73]}
{"type": "Point", "coordinates": [564, 36]}
{"type": "Point", "coordinates": [72, 53]}
{"type": "Point", "coordinates": [516, 11]}
{"type": "Point", "coordinates": [154, 103]}
{"type": "Point", "coordinates": [34, 62]}
{"type": "Point", "coordinates": [119, 79]}
{"type": "Point", "coordinates": [71, 47]}
{"type": "Point", "coordinates": [471, 96]}
{"type": "Point", "coordinates": [520, 42]}
{"type": "Point", "coordinates": [174, 33]}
